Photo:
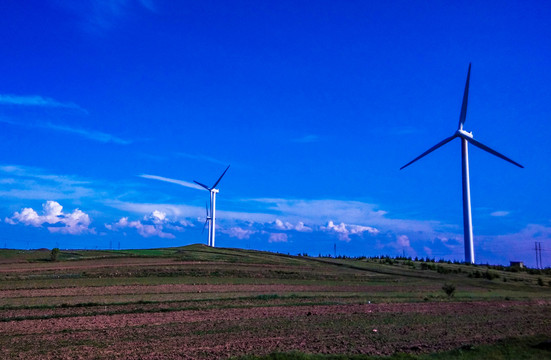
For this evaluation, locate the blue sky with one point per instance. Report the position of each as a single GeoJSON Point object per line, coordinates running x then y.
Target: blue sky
{"type": "Point", "coordinates": [316, 105]}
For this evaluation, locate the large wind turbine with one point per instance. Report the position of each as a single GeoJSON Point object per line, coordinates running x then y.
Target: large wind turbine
{"type": "Point", "coordinates": [466, 137]}
{"type": "Point", "coordinates": [212, 219]}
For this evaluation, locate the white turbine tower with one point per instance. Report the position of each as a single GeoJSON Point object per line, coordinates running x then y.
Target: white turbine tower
{"type": "Point", "coordinates": [466, 138]}
{"type": "Point", "coordinates": [212, 219]}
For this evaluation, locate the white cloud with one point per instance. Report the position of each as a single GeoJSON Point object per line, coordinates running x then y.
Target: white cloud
{"type": "Point", "coordinates": [173, 181]}
{"type": "Point", "coordinates": [158, 217]}
{"type": "Point", "coordinates": [344, 231]}
{"type": "Point", "coordinates": [88, 134]}
{"type": "Point", "coordinates": [302, 228]}
{"type": "Point", "coordinates": [403, 241]}
{"type": "Point", "coordinates": [277, 238]}
{"type": "Point", "coordinates": [238, 232]}
{"type": "Point", "coordinates": [500, 213]}
{"type": "Point", "coordinates": [340, 218]}
{"type": "Point", "coordinates": [75, 223]}
{"type": "Point", "coordinates": [174, 211]}
{"type": "Point", "coordinates": [280, 225]}
{"type": "Point", "coordinates": [319, 212]}
{"type": "Point", "coordinates": [36, 100]}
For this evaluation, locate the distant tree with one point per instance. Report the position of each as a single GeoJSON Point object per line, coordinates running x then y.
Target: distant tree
{"type": "Point", "coordinates": [54, 254]}
{"type": "Point", "coordinates": [449, 289]}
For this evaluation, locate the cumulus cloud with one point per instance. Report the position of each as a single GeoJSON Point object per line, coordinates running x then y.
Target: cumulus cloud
{"type": "Point", "coordinates": [344, 231]}
{"type": "Point", "coordinates": [153, 224]}
{"type": "Point", "coordinates": [280, 225]}
{"type": "Point", "coordinates": [54, 219]}
{"type": "Point", "coordinates": [403, 241]}
{"type": "Point", "coordinates": [277, 238]}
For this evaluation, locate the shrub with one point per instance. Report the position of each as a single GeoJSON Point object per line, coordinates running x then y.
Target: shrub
{"type": "Point", "coordinates": [54, 254]}
{"type": "Point", "coordinates": [425, 266]}
{"type": "Point", "coordinates": [490, 275]}
{"type": "Point", "coordinates": [449, 289]}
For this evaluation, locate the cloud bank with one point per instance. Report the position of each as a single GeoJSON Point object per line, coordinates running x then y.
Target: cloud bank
{"type": "Point", "coordinates": [155, 224]}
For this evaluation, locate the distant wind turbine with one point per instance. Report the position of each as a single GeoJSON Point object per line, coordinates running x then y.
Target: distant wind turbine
{"type": "Point", "coordinates": [466, 137]}
{"type": "Point", "coordinates": [212, 219]}
{"type": "Point", "coordinates": [207, 219]}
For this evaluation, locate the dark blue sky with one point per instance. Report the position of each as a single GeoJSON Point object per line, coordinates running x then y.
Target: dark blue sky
{"type": "Point", "coordinates": [315, 105]}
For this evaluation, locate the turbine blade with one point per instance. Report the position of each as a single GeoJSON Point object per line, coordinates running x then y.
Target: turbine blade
{"type": "Point", "coordinates": [207, 208]}
{"type": "Point", "coordinates": [441, 143]}
{"type": "Point", "coordinates": [204, 226]}
{"type": "Point", "coordinates": [463, 114]}
{"type": "Point", "coordinates": [220, 178]}
{"type": "Point", "coordinates": [203, 185]}
{"type": "Point", "coordinates": [491, 151]}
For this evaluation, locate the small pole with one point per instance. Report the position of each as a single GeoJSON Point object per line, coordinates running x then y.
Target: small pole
{"type": "Point", "coordinates": [541, 263]}
{"type": "Point", "coordinates": [537, 258]}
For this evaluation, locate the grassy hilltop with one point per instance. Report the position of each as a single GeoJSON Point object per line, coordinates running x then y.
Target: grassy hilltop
{"type": "Point", "coordinates": [201, 302]}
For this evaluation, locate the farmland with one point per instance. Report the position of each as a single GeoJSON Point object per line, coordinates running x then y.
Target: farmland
{"type": "Point", "coordinates": [196, 302]}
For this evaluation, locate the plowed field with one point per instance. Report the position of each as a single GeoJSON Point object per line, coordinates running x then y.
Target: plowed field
{"type": "Point", "coordinates": [68, 313]}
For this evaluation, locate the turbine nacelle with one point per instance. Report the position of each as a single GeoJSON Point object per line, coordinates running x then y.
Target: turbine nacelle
{"type": "Point", "coordinates": [462, 133]}
{"type": "Point", "coordinates": [212, 188]}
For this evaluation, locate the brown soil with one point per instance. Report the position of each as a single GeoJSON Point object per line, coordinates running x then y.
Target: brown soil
{"type": "Point", "coordinates": [223, 332]}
